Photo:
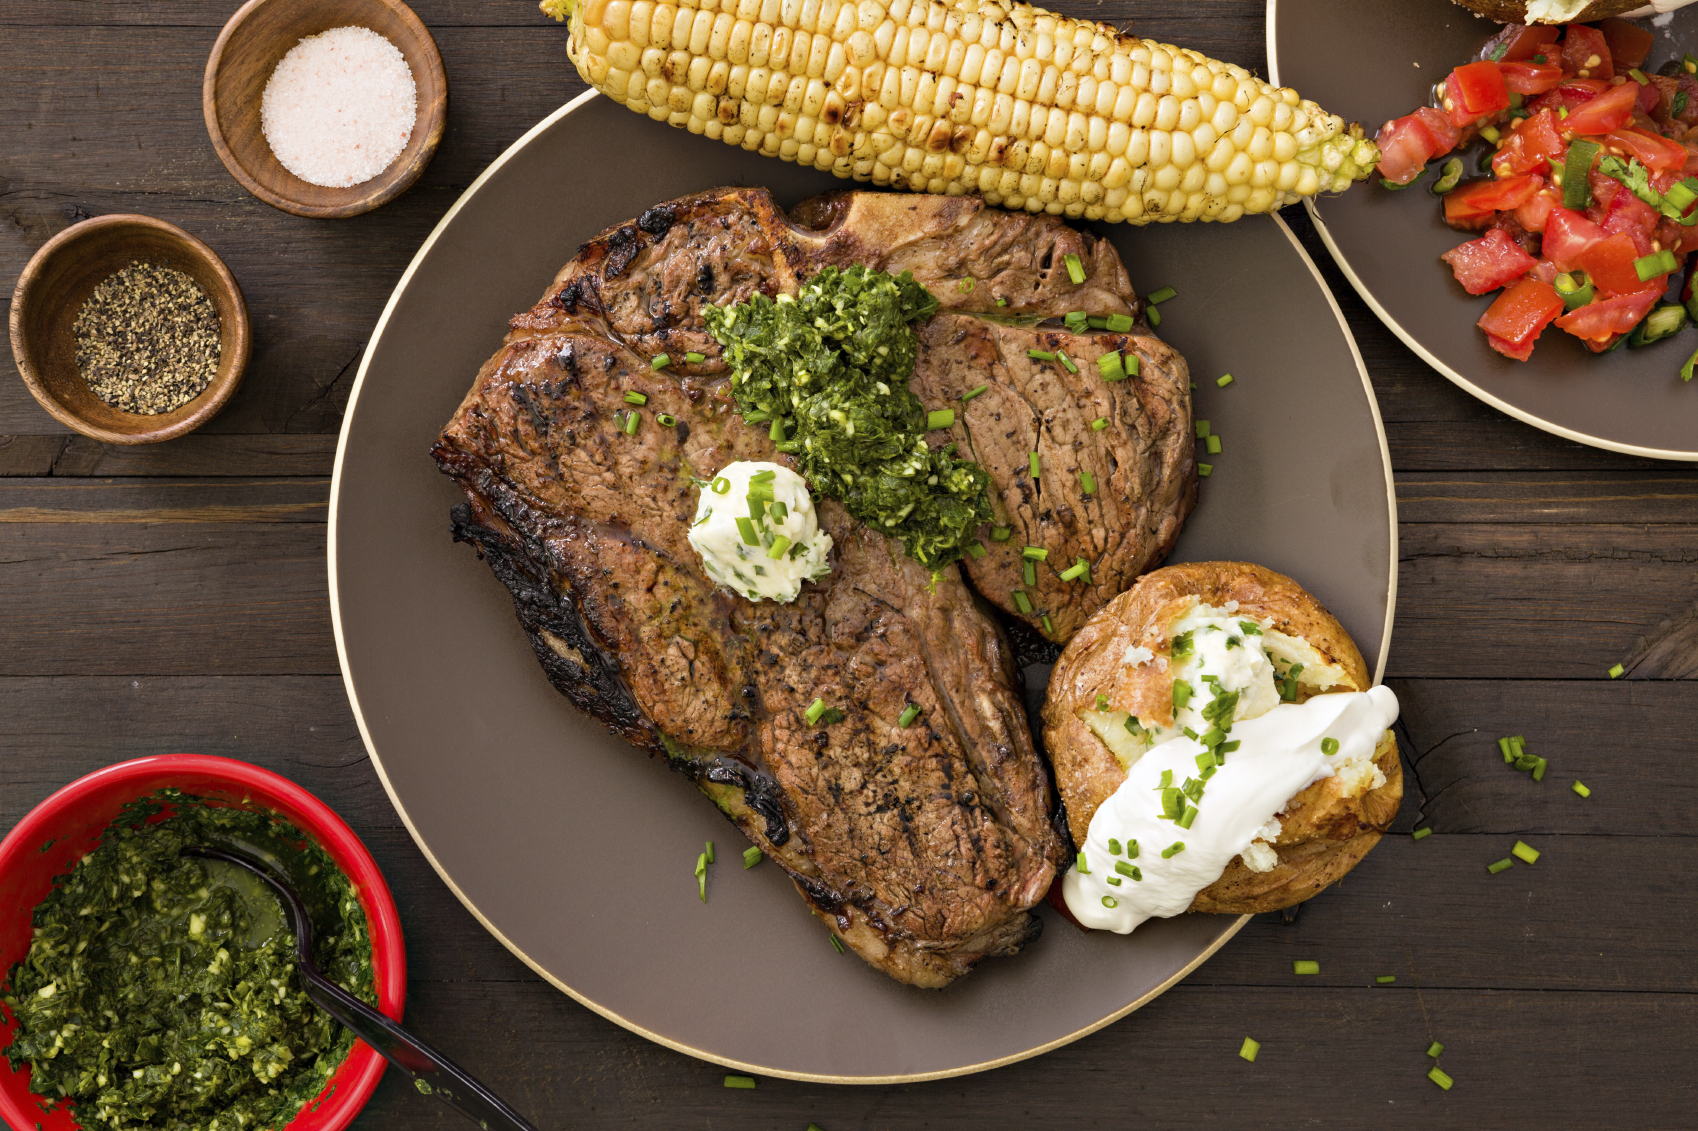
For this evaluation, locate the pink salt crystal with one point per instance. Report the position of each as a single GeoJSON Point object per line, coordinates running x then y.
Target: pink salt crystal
{"type": "Point", "coordinates": [340, 107]}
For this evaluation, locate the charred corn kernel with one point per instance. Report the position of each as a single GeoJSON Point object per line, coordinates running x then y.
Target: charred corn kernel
{"type": "Point", "coordinates": [1032, 110]}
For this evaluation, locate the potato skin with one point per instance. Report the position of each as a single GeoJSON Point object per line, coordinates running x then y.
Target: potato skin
{"type": "Point", "coordinates": [1515, 11]}
{"type": "Point", "coordinates": [1323, 834]}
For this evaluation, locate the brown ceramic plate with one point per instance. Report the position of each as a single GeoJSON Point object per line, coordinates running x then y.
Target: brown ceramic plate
{"type": "Point", "coordinates": [1374, 60]}
{"type": "Point", "coordinates": [577, 852]}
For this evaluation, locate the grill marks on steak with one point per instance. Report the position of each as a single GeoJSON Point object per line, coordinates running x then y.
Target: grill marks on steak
{"type": "Point", "coordinates": [925, 846]}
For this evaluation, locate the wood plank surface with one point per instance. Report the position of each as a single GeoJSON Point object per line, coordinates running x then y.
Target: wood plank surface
{"type": "Point", "coordinates": [173, 597]}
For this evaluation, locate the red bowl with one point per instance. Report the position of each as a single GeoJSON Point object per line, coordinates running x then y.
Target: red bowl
{"type": "Point", "coordinates": [48, 841]}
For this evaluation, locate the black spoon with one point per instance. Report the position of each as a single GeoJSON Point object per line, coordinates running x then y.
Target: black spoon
{"type": "Point", "coordinates": [431, 1072]}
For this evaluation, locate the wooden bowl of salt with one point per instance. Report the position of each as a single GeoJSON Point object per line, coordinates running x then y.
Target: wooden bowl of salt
{"type": "Point", "coordinates": [349, 69]}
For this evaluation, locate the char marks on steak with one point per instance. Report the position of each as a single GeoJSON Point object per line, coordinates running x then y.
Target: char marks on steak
{"type": "Point", "coordinates": [923, 847]}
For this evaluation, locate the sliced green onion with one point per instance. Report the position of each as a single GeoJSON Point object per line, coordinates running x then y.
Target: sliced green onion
{"type": "Point", "coordinates": [1212, 443]}
{"type": "Point", "coordinates": [1181, 693]}
{"type": "Point", "coordinates": [1126, 869]}
{"type": "Point", "coordinates": [1076, 570]}
{"type": "Point", "coordinates": [1223, 382]}
{"type": "Point", "coordinates": [665, 419]}
{"type": "Point", "coordinates": [976, 550]}
{"type": "Point", "coordinates": [1648, 267]}
{"type": "Point", "coordinates": [720, 485]}
{"type": "Point", "coordinates": [1066, 362]}
{"type": "Point", "coordinates": [1580, 788]}
{"type": "Point", "coordinates": [1160, 295]}
{"type": "Point", "coordinates": [1166, 780]}
{"type": "Point", "coordinates": [1576, 171]}
{"type": "Point", "coordinates": [695, 358]}
{"type": "Point", "coordinates": [1680, 194]}
{"type": "Point", "coordinates": [1664, 321]}
{"type": "Point", "coordinates": [1450, 175]}
{"type": "Point", "coordinates": [1084, 868]}
{"type": "Point", "coordinates": [1099, 424]}
{"type": "Point", "coordinates": [1132, 851]}
{"type": "Point", "coordinates": [1184, 819]}
{"type": "Point", "coordinates": [1205, 469]}
{"type": "Point", "coordinates": [709, 853]}
{"type": "Point", "coordinates": [837, 944]}
{"type": "Point", "coordinates": [1173, 850]}
{"type": "Point", "coordinates": [1434, 1049]}
{"type": "Point", "coordinates": [1021, 603]}
{"type": "Point", "coordinates": [966, 285]}
{"type": "Point", "coordinates": [1679, 106]}
{"type": "Point", "coordinates": [1420, 834]}
{"type": "Point", "coordinates": [751, 857]}
{"type": "Point", "coordinates": [1494, 869]}
{"type": "Point", "coordinates": [746, 527]}
{"type": "Point", "coordinates": [1087, 483]}
{"type": "Point", "coordinates": [1579, 291]}
{"type": "Point", "coordinates": [1118, 324]}
{"type": "Point", "coordinates": [1001, 533]}
{"type": "Point", "coordinates": [1048, 627]}
{"type": "Point", "coordinates": [778, 511]}
{"type": "Point", "coordinates": [1508, 754]}
{"type": "Point", "coordinates": [1305, 966]}
{"type": "Point", "coordinates": [908, 715]}
{"type": "Point", "coordinates": [1491, 134]}
{"type": "Point", "coordinates": [701, 863]}
{"type": "Point", "coordinates": [1032, 464]}
{"type": "Point", "coordinates": [1249, 1049]}
{"type": "Point", "coordinates": [1539, 770]}
{"type": "Point", "coordinates": [742, 1081]}
{"type": "Point", "coordinates": [1131, 363]}
{"type": "Point", "coordinates": [1201, 427]}
{"type": "Point", "coordinates": [1075, 269]}
{"type": "Point", "coordinates": [1525, 852]}
{"type": "Point", "coordinates": [1115, 880]}
{"type": "Point", "coordinates": [636, 398]}
{"type": "Point", "coordinates": [1615, 672]}
{"type": "Point", "coordinates": [780, 544]}
{"type": "Point", "coordinates": [1437, 1075]}
{"type": "Point", "coordinates": [1029, 573]}
{"type": "Point", "coordinates": [1385, 979]}
{"type": "Point", "coordinates": [1002, 302]}
{"type": "Point", "coordinates": [1040, 355]}
{"type": "Point", "coordinates": [1329, 746]}
{"type": "Point", "coordinates": [1110, 902]}
{"type": "Point", "coordinates": [971, 393]}
{"type": "Point", "coordinates": [1395, 187]}
{"type": "Point", "coordinates": [633, 421]}
{"type": "Point", "coordinates": [1111, 368]}
{"type": "Point", "coordinates": [1034, 553]}
{"type": "Point", "coordinates": [818, 712]}
{"type": "Point", "coordinates": [1154, 317]}
{"type": "Point", "coordinates": [661, 361]}
{"type": "Point", "coordinates": [1076, 320]}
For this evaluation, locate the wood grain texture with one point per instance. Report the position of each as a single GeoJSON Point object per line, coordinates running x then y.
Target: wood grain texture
{"type": "Point", "coordinates": [173, 598]}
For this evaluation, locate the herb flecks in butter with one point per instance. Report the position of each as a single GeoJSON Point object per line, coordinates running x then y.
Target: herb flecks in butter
{"type": "Point", "coordinates": [830, 368]}
{"type": "Point", "coordinates": [160, 991]}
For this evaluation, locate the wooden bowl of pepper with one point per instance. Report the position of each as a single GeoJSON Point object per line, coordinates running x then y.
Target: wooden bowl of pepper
{"type": "Point", "coordinates": [129, 329]}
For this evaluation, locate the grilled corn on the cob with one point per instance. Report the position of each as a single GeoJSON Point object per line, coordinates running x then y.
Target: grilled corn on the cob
{"type": "Point", "coordinates": [1029, 109]}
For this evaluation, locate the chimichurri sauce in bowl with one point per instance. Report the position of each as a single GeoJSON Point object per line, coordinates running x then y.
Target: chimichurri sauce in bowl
{"type": "Point", "coordinates": [159, 990]}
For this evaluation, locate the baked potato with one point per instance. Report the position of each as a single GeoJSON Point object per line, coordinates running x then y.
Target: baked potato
{"type": "Point", "coordinates": [1112, 698]}
{"type": "Point", "coordinates": [1555, 11]}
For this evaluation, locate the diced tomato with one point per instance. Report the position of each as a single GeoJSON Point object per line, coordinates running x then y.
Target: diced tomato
{"type": "Point", "coordinates": [1408, 143]}
{"type": "Point", "coordinates": [1648, 98]}
{"type": "Point", "coordinates": [1531, 143]}
{"type": "Point", "coordinates": [1610, 110]}
{"type": "Point", "coordinates": [1519, 316]}
{"type": "Point", "coordinates": [1586, 53]}
{"type": "Point", "coordinates": [1658, 154]}
{"type": "Point", "coordinates": [1600, 320]}
{"type": "Point", "coordinates": [1533, 212]}
{"type": "Point", "coordinates": [1521, 41]}
{"type": "Point", "coordinates": [1490, 262]}
{"type": "Point", "coordinates": [1545, 271]}
{"type": "Point", "coordinates": [1567, 235]}
{"type": "Point", "coordinates": [1628, 215]}
{"type": "Point", "coordinates": [1629, 44]}
{"type": "Point", "coordinates": [1474, 91]}
{"type": "Point", "coordinates": [1473, 205]}
{"type": "Point", "coordinates": [1609, 264]}
{"type": "Point", "coordinates": [1530, 78]}
{"type": "Point", "coordinates": [1510, 349]}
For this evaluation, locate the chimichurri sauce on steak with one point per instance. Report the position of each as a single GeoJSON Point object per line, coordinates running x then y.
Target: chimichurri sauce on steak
{"type": "Point", "coordinates": [160, 991]}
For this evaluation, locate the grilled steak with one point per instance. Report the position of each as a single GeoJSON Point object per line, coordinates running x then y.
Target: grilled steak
{"type": "Point", "coordinates": [922, 847]}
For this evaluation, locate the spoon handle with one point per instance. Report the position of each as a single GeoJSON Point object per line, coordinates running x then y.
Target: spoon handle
{"type": "Point", "coordinates": [432, 1073]}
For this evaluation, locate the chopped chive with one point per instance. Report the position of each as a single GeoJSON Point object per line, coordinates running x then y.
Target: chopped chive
{"type": "Point", "coordinates": [1099, 424]}
{"type": "Point", "coordinates": [1508, 754]}
{"type": "Point", "coordinates": [1084, 870]}
{"type": "Point", "coordinates": [1029, 573]}
{"type": "Point", "coordinates": [976, 550]}
{"type": "Point", "coordinates": [1154, 317]}
{"type": "Point", "coordinates": [1131, 871]}
{"type": "Point", "coordinates": [1115, 880]}
{"type": "Point", "coordinates": [1001, 533]}
{"type": "Point", "coordinates": [837, 944]}
{"type": "Point", "coordinates": [1119, 323]}
{"type": "Point", "coordinates": [1075, 269]}
{"type": "Point", "coordinates": [1173, 850]}
{"type": "Point", "coordinates": [1032, 464]}
{"type": "Point", "coordinates": [1166, 780]}
{"type": "Point", "coordinates": [1040, 355]}
{"type": "Point", "coordinates": [1249, 1049]}
{"type": "Point", "coordinates": [1076, 320]}
{"type": "Point", "coordinates": [1437, 1075]}
{"type": "Point", "coordinates": [633, 421]}
{"type": "Point", "coordinates": [1110, 902]}
{"type": "Point", "coordinates": [908, 715]}
{"type": "Point", "coordinates": [1580, 788]}
{"type": "Point", "coordinates": [1205, 469]}
{"type": "Point", "coordinates": [1223, 382]}
{"type": "Point", "coordinates": [1076, 570]}
{"type": "Point", "coordinates": [1184, 819]}
{"type": "Point", "coordinates": [1087, 483]}
{"type": "Point", "coordinates": [1021, 603]}
{"type": "Point", "coordinates": [1181, 693]}
{"type": "Point", "coordinates": [778, 512]}
{"type": "Point", "coordinates": [1418, 834]}
{"type": "Point", "coordinates": [1097, 322]}
{"type": "Point", "coordinates": [779, 545]}
{"type": "Point", "coordinates": [1066, 362]}
{"type": "Point", "coordinates": [1539, 770]}
{"type": "Point", "coordinates": [746, 528]}
{"type": "Point", "coordinates": [709, 853]}
{"type": "Point", "coordinates": [739, 1081]}
{"type": "Point", "coordinates": [1114, 848]}
{"type": "Point", "coordinates": [695, 358]}
{"type": "Point", "coordinates": [1212, 443]}
{"type": "Point", "coordinates": [971, 393]}
{"type": "Point", "coordinates": [940, 418]}
{"type": "Point", "coordinates": [1160, 295]}
{"type": "Point", "coordinates": [751, 857]}
{"type": "Point", "coordinates": [1494, 869]}
{"type": "Point", "coordinates": [701, 863]}
{"type": "Point", "coordinates": [1615, 672]}
{"type": "Point", "coordinates": [1525, 852]}
{"type": "Point", "coordinates": [1202, 429]}
{"type": "Point", "coordinates": [1434, 1049]}
{"type": "Point", "coordinates": [1385, 979]}
{"type": "Point", "coordinates": [1329, 746]}
{"type": "Point", "coordinates": [661, 361]}
{"type": "Point", "coordinates": [720, 485]}
{"type": "Point", "coordinates": [1305, 966]}
{"type": "Point", "coordinates": [1132, 365]}
{"type": "Point", "coordinates": [1034, 553]}
{"type": "Point", "coordinates": [665, 419]}
{"type": "Point", "coordinates": [636, 398]}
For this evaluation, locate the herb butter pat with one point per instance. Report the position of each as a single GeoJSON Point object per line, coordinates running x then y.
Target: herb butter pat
{"type": "Point", "coordinates": [757, 533]}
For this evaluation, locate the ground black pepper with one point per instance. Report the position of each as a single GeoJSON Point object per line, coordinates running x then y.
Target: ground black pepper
{"type": "Point", "coordinates": [147, 339]}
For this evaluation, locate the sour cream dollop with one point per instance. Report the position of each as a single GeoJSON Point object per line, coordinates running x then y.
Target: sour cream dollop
{"type": "Point", "coordinates": [776, 547]}
{"type": "Point", "coordinates": [1280, 754]}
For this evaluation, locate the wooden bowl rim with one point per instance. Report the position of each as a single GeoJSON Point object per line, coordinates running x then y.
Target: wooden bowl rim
{"type": "Point", "coordinates": [384, 187]}
{"type": "Point", "coordinates": [231, 365]}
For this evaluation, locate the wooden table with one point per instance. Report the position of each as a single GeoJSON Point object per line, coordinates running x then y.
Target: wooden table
{"type": "Point", "coordinates": [173, 598]}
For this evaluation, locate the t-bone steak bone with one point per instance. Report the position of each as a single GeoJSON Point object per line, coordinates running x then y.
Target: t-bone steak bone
{"type": "Point", "coordinates": [923, 848]}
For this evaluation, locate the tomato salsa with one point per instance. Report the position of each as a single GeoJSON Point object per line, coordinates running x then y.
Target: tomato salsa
{"type": "Point", "coordinates": [1588, 206]}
